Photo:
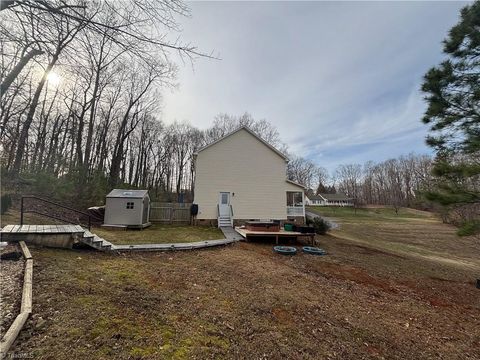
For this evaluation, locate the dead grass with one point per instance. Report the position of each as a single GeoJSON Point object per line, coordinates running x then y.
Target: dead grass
{"type": "Point", "coordinates": [160, 234]}
{"type": "Point", "coordinates": [410, 233]}
{"type": "Point", "coordinates": [363, 300]}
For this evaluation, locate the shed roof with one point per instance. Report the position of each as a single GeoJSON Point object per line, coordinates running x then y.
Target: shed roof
{"type": "Point", "coordinates": [125, 193]}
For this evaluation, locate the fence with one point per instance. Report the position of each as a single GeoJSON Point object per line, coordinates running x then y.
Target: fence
{"type": "Point", "coordinates": [170, 212]}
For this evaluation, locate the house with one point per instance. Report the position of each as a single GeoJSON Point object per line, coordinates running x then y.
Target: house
{"type": "Point", "coordinates": [329, 200]}
{"type": "Point", "coordinates": [127, 208]}
{"type": "Point", "coordinates": [314, 200]}
{"type": "Point", "coordinates": [241, 177]}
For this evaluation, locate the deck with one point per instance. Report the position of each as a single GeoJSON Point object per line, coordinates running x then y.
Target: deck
{"type": "Point", "coordinates": [274, 234]}
{"type": "Point", "coordinates": [42, 229]}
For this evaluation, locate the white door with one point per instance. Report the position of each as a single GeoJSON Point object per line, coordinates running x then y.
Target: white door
{"type": "Point", "coordinates": [224, 204]}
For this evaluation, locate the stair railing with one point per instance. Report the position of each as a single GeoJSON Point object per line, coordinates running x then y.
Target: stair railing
{"type": "Point", "coordinates": [23, 211]}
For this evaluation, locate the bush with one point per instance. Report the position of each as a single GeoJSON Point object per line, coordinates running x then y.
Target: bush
{"type": "Point", "coordinates": [468, 228]}
{"type": "Point", "coordinates": [5, 203]}
{"type": "Point", "coordinates": [321, 226]}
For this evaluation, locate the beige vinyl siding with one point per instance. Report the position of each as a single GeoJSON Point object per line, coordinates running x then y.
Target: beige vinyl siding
{"type": "Point", "coordinates": [244, 166]}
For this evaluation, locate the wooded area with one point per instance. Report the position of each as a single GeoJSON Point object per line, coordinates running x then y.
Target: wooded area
{"type": "Point", "coordinates": [81, 96]}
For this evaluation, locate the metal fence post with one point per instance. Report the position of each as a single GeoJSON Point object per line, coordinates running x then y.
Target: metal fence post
{"type": "Point", "coordinates": [21, 211]}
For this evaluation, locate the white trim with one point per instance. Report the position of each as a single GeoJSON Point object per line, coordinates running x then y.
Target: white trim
{"type": "Point", "coordinates": [295, 183]}
{"type": "Point", "coordinates": [324, 199]}
{"type": "Point", "coordinates": [303, 203]}
{"type": "Point", "coordinates": [251, 133]}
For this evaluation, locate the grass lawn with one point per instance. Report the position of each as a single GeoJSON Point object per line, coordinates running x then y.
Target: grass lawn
{"type": "Point", "coordinates": [410, 233]}
{"type": "Point", "coordinates": [374, 213]}
{"type": "Point", "coordinates": [159, 234]}
{"type": "Point", "coordinates": [366, 299]}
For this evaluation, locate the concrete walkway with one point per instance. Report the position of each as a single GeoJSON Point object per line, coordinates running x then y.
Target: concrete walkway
{"type": "Point", "coordinates": [173, 246]}
{"type": "Point", "coordinates": [231, 236]}
{"type": "Point", "coordinates": [230, 233]}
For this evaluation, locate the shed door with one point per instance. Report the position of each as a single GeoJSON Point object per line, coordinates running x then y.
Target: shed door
{"type": "Point", "coordinates": [224, 204]}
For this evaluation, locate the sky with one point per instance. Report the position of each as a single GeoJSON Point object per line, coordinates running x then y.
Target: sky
{"type": "Point", "coordinates": [339, 80]}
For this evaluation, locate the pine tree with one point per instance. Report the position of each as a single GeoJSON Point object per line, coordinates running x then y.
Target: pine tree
{"type": "Point", "coordinates": [321, 189]}
{"type": "Point", "coordinates": [453, 96]}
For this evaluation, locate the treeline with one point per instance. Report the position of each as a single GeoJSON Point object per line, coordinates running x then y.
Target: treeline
{"type": "Point", "coordinates": [396, 182]}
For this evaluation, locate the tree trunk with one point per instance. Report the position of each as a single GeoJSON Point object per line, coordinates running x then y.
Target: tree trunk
{"type": "Point", "coordinates": [17, 70]}
{"type": "Point", "coordinates": [22, 140]}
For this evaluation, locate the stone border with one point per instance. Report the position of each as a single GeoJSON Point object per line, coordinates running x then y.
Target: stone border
{"type": "Point", "coordinates": [26, 307]}
{"type": "Point", "coordinates": [173, 246]}
{"type": "Point", "coordinates": [231, 236]}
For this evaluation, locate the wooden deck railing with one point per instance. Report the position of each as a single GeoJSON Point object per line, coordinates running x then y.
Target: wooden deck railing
{"type": "Point", "coordinates": [295, 211]}
{"type": "Point", "coordinates": [53, 210]}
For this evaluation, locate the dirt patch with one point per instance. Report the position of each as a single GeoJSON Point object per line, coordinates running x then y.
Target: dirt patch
{"type": "Point", "coordinates": [372, 251]}
{"type": "Point", "coordinates": [354, 274]}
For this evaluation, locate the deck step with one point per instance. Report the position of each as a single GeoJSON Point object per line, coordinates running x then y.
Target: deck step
{"type": "Point", "coordinates": [81, 234]}
{"type": "Point", "coordinates": [96, 241]}
{"type": "Point", "coordinates": [224, 221]}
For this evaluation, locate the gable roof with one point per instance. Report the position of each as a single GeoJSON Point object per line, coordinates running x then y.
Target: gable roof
{"type": "Point", "coordinates": [315, 197]}
{"type": "Point", "coordinates": [335, 197]}
{"type": "Point", "coordinates": [125, 193]}
{"type": "Point", "coordinates": [247, 129]}
{"type": "Point", "coordinates": [295, 183]}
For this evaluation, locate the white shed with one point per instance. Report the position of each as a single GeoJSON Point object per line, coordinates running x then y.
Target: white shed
{"type": "Point", "coordinates": [129, 208]}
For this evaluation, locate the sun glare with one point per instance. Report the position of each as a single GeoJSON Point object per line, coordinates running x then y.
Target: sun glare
{"type": "Point", "coordinates": [53, 78]}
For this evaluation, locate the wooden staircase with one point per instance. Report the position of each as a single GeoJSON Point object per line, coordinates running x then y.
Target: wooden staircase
{"type": "Point", "coordinates": [224, 221]}
{"type": "Point", "coordinates": [54, 236]}
{"type": "Point", "coordinates": [96, 242]}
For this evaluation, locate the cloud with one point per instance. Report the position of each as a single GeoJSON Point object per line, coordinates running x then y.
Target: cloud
{"type": "Point", "coordinates": [339, 80]}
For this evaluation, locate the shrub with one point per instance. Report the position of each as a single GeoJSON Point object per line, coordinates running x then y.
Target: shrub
{"type": "Point", "coordinates": [321, 226]}
{"type": "Point", "coordinates": [5, 203]}
{"type": "Point", "coordinates": [468, 228]}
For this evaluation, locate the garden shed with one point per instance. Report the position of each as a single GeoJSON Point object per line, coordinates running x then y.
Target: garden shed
{"type": "Point", "coordinates": [127, 208]}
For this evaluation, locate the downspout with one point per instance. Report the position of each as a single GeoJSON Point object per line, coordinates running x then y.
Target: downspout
{"type": "Point", "coordinates": [303, 205]}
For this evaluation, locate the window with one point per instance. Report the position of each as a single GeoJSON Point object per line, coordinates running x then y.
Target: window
{"type": "Point", "coordinates": [294, 198]}
{"type": "Point", "coordinates": [129, 205]}
{"type": "Point", "coordinates": [224, 199]}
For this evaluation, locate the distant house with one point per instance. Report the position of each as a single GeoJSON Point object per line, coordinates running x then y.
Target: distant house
{"type": "Point", "coordinates": [329, 200]}
{"type": "Point", "coordinates": [241, 177]}
{"type": "Point", "coordinates": [312, 199]}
